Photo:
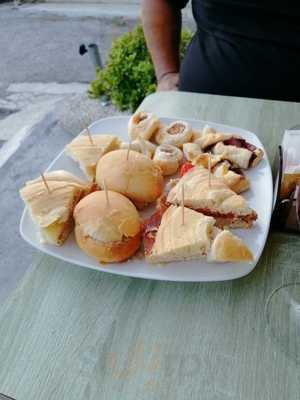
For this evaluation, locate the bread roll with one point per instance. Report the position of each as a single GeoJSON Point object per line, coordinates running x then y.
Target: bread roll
{"type": "Point", "coordinates": [137, 177]}
{"type": "Point", "coordinates": [109, 232]}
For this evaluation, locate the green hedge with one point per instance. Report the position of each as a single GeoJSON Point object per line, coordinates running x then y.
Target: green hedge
{"type": "Point", "coordinates": [129, 76]}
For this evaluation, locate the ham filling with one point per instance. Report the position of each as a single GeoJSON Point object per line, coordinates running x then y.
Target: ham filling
{"type": "Point", "coordinates": [188, 165]}
{"type": "Point", "coordinates": [175, 129]}
{"type": "Point", "coordinates": [237, 142]}
{"type": "Point", "coordinates": [150, 228]}
{"type": "Point", "coordinates": [230, 216]}
{"type": "Point", "coordinates": [151, 225]}
{"type": "Point", "coordinates": [243, 144]}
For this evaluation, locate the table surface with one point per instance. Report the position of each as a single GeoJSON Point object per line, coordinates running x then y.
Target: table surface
{"type": "Point", "coordinates": [71, 333]}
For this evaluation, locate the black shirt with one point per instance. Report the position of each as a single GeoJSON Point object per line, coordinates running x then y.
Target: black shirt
{"type": "Point", "coordinates": [268, 20]}
{"type": "Point", "coordinates": [246, 48]}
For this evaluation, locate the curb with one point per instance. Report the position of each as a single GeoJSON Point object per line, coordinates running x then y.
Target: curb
{"type": "Point", "coordinates": [46, 119]}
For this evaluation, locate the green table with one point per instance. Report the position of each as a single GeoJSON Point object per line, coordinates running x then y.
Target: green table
{"type": "Point", "coordinates": [72, 333]}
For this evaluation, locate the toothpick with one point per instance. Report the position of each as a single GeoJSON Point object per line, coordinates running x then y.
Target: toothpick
{"type": "Point", "coordinates": [129, 148]}
{"type": "Point", "coordinates": [89, 136]}
{"type": "Point", "coordinates": [45, 183]}
{"type": "Point", "coordinates": [106, 192]}
{"type": "Point", "coordinates": [209, 169]}
{"type": "Point", "coordinates": [143, 146]}
{"type": "Point", "coordinates": [182, 204]}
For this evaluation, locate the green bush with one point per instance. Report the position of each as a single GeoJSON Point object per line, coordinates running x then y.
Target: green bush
{"type": "Point", "coordinates": [129, 74]}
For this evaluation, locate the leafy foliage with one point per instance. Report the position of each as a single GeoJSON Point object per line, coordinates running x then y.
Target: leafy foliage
{"type": "Point", "coordinates": [129, 75]}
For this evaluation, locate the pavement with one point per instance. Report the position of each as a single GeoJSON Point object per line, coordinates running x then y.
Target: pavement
{"type": "Point", "coordinates": [38, 69]}
{"type": "Point", "coordinates": [32, 156]}
{"type": "Point", "coordinates": [43, 104]}
{"type": "Point", "coordinates": [44, 101]}
{"type": "Point", "coordinates": [126, 10]}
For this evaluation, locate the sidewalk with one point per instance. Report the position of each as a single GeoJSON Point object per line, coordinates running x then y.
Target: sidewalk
{"type": "Point", "coordinates": [86, 9]}
{"type": "Point", "coordinates": [42, 65]}
{"type": "Point", "coordinates": [75, 10]}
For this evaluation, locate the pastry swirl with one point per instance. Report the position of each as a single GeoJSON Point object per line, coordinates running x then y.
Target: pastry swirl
{"type": "Point", "coordinates": [168, 158]}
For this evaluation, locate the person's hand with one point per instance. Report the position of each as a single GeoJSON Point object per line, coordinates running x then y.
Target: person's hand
{"type": "Point", "coordinates": [169, 81]}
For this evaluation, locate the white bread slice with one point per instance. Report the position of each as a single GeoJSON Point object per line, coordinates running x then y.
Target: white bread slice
{"type": "Point", "coordinates": [215, 195]}
{"type": "Point", "coordinates": [176, 241]}
{"type": "Point", "coordinates": [87, 154]}
{"type": "Point", "coordinates": [53, 212]}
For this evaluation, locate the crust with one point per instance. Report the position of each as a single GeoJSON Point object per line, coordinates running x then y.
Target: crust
{"type": "Point", "coordinates": [195, 135]}
{"type": "Point", "coordinates": [241, 184]}
{"type": "Point", "coordinates": [203, 160]}
{"type": "Point", "coordinates": [238, 156]}
{"type": "Point", "coordinates": [259, 156]}
{"type": "Point", "coordinates": [191, 151]}
{"type": "Point", "coordinates": [107, 223]}
{"type": "Point", "coordinates": [87, 154]}
{"type": "Point", "coordinates": [144, 128]}
{"type": "Point", "coordinates": [227, 247]}
{"type": "Point", "coordinates": [108, 252]}
{"type": "Point", "coordinates": [210, 136]}
{"type": "Point", "coordinates": [210, 140]}
{"type": "Point", "coordinates": [168, 158]}
{"type": "Point", "coordinates": [215, 196]}
{"type": "Point", "coordinates": [137, 178]}
{"type": "Point", "coordinates": [164, 135]}
{"type": "Point", "coordinates": [236, 182]}
{"type": "Point", "coordinates": [66, 227]}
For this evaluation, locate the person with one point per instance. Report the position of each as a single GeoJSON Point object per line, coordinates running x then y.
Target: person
{"type": "Point", "coordinates": [247, 48]}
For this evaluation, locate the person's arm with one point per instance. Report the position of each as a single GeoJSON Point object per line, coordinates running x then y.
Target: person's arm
{"type": "Point", "coordinates": [162, 26]}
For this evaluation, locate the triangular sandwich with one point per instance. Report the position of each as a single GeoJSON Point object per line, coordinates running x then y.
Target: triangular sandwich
{"type": "Point", "coordinates": [167, 239]}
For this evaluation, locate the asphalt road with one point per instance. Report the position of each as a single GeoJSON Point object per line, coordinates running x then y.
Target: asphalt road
{"type": "Point", "coordinates": [39, 47]}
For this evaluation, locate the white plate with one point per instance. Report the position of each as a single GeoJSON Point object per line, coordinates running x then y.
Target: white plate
{"type": "Point", "coordinates": [259, 197]}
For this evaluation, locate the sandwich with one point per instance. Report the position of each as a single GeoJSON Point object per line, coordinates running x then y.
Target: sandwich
{"type": "Point", "coordinates": [234, 177]}
{"type": "Point", "coordinates": [132, 174]}
{"type": "Point", "coordinates": [87, 150]}
{"type": "Point", "coordinates": [51, 203]}
{"type": "Point", "coordinates": [239, 152]}
{"type": "Point", "coordinates": [212, 197]}
{"type": "Point", "coordinates": [167, 239]}
{"type": "Point", "coordinates": [209, 137]}
{"type": "Point", "coordinates": [230, 147]}
{"type": "Point", "coordinates": [107, 226]}
{"type": "Point", "coordinates": [191, 151]}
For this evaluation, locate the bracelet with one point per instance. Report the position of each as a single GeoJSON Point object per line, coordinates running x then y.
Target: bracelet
{"type": "Point", "coordinates": [166, 73]}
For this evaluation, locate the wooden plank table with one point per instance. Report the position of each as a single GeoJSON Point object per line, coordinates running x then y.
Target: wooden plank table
{"type": "Point", "coordinates": [72, 333]}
